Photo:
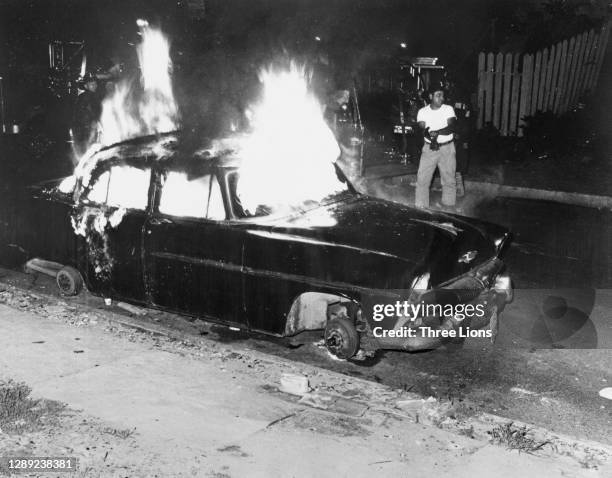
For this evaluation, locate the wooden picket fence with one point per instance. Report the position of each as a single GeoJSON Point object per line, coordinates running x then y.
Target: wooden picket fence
{"type": "Point", "coordinates": [551, 80]}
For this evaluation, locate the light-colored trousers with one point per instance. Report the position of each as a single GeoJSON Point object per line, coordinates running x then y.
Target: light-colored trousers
{"type": "Point", "coordinates": [445, 160]}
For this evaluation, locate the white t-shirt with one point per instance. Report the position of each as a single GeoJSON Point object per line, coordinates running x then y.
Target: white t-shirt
{"type": "Point", "coordinates": [437, 119]}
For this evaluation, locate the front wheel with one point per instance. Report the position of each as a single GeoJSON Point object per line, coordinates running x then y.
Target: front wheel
{"type": "Point", "coordinates": [341, 338]}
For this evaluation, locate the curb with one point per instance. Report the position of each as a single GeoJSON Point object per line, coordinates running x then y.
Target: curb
{"type": "Point", "coordinates": [495, 189]}
{"type": "Point", "coordinates": [379, 399]}
{"type": "Point", "coordinates": [576, 199]}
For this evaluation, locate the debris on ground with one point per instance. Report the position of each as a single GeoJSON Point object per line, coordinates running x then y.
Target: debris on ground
{"type": "Point", "coordinates": [515, 438]}
{"type": "Point", "coordinates": [132, 309]}
{"type": "Point", "coordinates": [49, 268]}
{"type": "Point", "coordinates": [351, 398]}
{"type": "Point", "coordinates": [522, 391]}
{"type": "Point", "coordinates": [294, 384]}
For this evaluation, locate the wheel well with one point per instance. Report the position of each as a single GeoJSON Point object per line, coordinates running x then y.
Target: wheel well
{"type": "Point", "coordinates": [309, 311]}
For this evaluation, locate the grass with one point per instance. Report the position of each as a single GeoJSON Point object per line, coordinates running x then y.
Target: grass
{"type": "Point", "coordinates": [515, 438]}
{"type": "Point", "coordinates": [20, 413]}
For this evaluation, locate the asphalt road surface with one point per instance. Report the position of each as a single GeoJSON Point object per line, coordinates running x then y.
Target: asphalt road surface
{"type": "Point", "coordinates": [554, 349]}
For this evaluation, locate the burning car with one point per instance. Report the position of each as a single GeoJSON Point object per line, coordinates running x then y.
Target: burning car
{"type": "Point", "coordinates": [259, 230]}
{"type": "Point", "coordinates": [154, 223]}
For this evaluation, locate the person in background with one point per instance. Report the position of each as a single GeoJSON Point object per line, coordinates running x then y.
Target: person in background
{"type": "Point", "coordinates": [86, 114]}
{"type": "Point", "coordinates": [437, 122]}
{"type": "Point", "coordinates": [463, 127]}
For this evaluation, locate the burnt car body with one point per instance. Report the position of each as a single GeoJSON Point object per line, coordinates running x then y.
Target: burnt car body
{"type": "Point", "coordinates": [281, 274]}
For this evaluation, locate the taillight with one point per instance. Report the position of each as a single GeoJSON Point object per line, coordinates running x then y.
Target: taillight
{"type": "Point", "coordinates": [503, 285]}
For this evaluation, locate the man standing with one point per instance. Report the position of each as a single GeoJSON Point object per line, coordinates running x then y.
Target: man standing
{"type": "Point", "coordinates": [437, 121]}
{"type": "Point", "coordinates": [86, 115]}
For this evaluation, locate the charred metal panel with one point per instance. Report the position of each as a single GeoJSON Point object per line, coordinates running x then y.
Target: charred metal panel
{"type": "Point", "coordinates": [194, 266]}
{"type": "Point", "coordinates": [125, 243]}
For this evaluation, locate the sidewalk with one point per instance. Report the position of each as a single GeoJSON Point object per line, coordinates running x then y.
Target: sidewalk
{"type": "Point", "coordinates": [215, 410]}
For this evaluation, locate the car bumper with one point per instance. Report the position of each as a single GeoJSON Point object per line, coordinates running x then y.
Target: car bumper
{"type": "Point", "coordinates": [429, 333]}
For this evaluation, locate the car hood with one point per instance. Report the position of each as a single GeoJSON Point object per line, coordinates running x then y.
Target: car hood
{"type": "Point", "coordinates": [444, 245]}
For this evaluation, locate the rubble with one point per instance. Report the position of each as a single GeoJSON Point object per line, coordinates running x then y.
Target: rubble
{"type": "Point", "coordinates": [428, 410]}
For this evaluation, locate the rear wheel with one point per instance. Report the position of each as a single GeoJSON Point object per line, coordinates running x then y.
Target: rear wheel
{"type": "Point", "coordinates": [69, 281]}
{"type": "Point", "coordinates": [341, 338]}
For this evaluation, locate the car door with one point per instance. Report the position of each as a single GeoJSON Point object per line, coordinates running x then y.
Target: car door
{"type": "Point", "coordinates": [193, 256]}
{"type": "Point", "coordinates": [110, 216]}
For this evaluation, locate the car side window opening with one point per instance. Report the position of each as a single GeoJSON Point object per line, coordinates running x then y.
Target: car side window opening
{"type": "Point", "coordinates": [121, 186]}
{"type": "Point", "coordinates": [262, 210]}
{"type": "Point", "coordinates": [129, 187]}
{"type": "Point", "coordinates": [196, 197]}
{"type": "Point", "coordinates": [240, 212]}
{"type": "Point", "coordinates": [99, 191]}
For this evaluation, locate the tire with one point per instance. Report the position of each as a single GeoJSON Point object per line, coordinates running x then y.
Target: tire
{"type": "Point", "coordinates": [69, 281]}
{"type": "Point", "coordinates": [341, 338]}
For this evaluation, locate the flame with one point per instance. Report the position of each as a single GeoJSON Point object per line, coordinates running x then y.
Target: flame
{"type": "Point", "coordinates": [118, 120]}
{"type": "Point", "coordinates": [127, 112]}
{"type": "Point", "coordinates": [83, 66]}
{"type": "Point", "coordinates": [289, 156]}
{"type": "Point", "coordinates": [157, 109]}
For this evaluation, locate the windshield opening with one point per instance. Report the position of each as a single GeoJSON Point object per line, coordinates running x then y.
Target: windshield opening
{"type": "Point", "coordinates": [269, 206]}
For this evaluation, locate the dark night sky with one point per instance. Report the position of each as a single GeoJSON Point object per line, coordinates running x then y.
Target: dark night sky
{"type": "Point", "coordinates": [429, 27]}
{"type": "Point", "coordinates": [247, 33]}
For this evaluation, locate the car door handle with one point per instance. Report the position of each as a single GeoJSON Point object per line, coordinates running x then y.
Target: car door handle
{"type": "Point", "coordinates": [157, 221]}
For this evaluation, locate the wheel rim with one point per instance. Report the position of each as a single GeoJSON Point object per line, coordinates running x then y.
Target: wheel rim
{"type": "Point", "coordinates": [64, 282]}
{"type": "Point", "coordinates": [335, 342]}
